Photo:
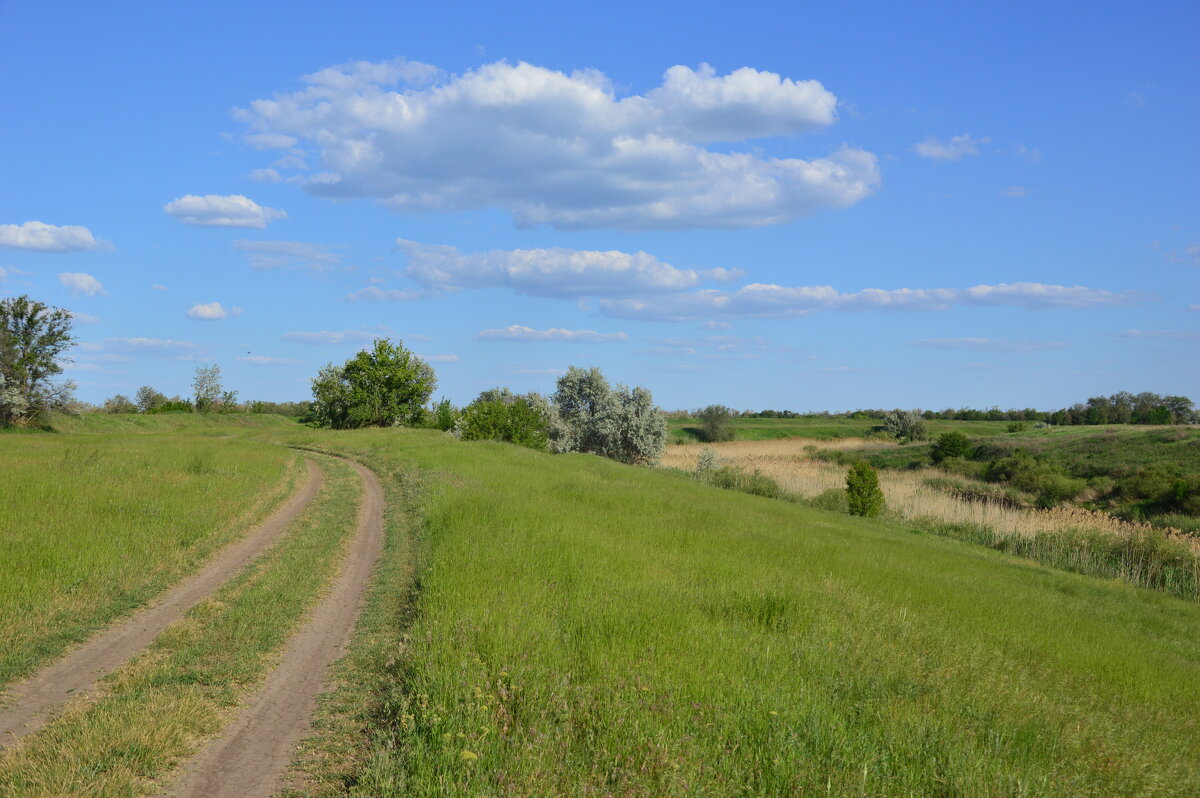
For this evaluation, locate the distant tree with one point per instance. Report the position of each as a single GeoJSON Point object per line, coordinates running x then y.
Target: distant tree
{"type": "Point", "coordinates": [384, 386]}
{"type": "Point", "coordinates": [950, 444]}
{"type": "Point", "coordinates": [863, 495]}
{"type": "Point", "coordinates": [206, 387]}
{"type": "Point", "coordinates": [228, 402]}
{"type": "Point", "coordinates": [119, 404]}
{"type": "Point", "coordinates": [906, 425]}
{"type": "Point", "coordinates": [149, 399]}
{"type": "Point", "coordinates": [445, 415]}
{"type": "Point", "coordinates": [33, 339]}
{"type": "Point", "coordinates": [716, 423]}
{"type": "Point", "coordinates": [514, 422]}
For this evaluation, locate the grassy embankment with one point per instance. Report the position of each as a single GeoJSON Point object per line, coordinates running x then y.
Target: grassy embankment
{"type": "Point", "coordinates": [155, 711]}
{"type": "Point", "coordinates": [93, 526]}
{"type": "Point", "coordinates": [573, 626]}
{"type": "Point", "coordinates": [688, 430]}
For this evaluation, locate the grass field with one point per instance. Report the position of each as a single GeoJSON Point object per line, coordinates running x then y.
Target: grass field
{"type": "Point", "coordinates": [583, 627]}
{"type": "Point", "coordinates": [91, 526]}
{"type": "Point", "coordinates": [688, 430]}
{"type": "Point", "coordinates": [546, 625]}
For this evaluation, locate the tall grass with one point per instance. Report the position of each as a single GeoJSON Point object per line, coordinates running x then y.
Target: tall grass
{"type": "Point", "coordinates": [92, 526]}
{"type": "Point", "coordinates": [585, 628]}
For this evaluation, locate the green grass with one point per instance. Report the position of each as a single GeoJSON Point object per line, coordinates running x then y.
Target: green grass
{"type": "Point", "coordinates": [154, 712]}
{"type": "Point", "coordinates": [688, 430]}
{"type": "Point", "coordinates": [91, 526]}
{"type": "Point", "coordinates": [582, 627]}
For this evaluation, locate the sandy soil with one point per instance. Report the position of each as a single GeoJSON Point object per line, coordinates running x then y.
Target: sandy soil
{"type": "Point", "coordinates": [251, 757]}
{"type": "Point", "coordinates": [28, 704]}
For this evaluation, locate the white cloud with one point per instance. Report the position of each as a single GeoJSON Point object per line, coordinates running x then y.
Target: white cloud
{"type": "Point", "coordinates": [267, 255]}
{"type": "Point", "coordinates": [375, 294]}
{"type": "Point", "coordinates": [986, 344]}
{"type": "Point", "coordinates": [330, 338]}
{"type": "Point", "coordinates": [1194, 307]}
{"type": "Point", "coordinates": [265, 175]}
{"type": "Point", "coordinates": [562, 149]}
{"type": "Point", "coordinates": [211, 311]}
{"type": "Point", "coordinates": [115, 349]}
{"type": "Point", "coordinates": [1027, 153]}
{"type": "Point", "coordinates": [82, 284]}
{"type": "Point", "coordinates": [546, 272]}
{"type": "Point", "coordinates": [42, 237]}
{"type": "Point", "coordinates": [158, 287]}
{"type": "Point", "coordinates": [1187, 255]}
{"type": "Point", "coordinates": [213, 210]}
{"type": "Point", "coordinates": [1162, 335]}
{"type": "Point", "coordinates": [439, 358]}
{"type": "Point", "coordinates": [83, 318]}
{"type": "Point", "coordinates": [517, 332]}
{"type": "Point", "coordinates": [759, 300]}
{"type": "Point", "coordinates": [263, 360]}
{"type": "Point", "coordinates": [540, 372]}
{"type": "Point", "coordinates": [951, 150]}
{"type": "Point", "coordinates": [1014, 192]}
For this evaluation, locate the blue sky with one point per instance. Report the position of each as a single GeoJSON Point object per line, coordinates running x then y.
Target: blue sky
{"type": "Point", "coordinates": [813, 207]}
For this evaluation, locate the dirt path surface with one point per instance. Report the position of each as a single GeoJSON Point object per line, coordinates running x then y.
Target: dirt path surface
{"type": "Point", "coordinates": [27, 704]}
{"type": "Point", "coordinates": [253, 754]}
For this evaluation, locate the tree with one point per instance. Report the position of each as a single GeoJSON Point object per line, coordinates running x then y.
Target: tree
{"type": "Point", "coordinates": [33, 338]}
{"type": "Point", "coordinates": [951, 444]}
{"type": "Point", "coordinates": [623, 424]}
{"type": "Point", "coordinates": [515, 422]}
{"type": "Point", "coordinates": [384, 386]}
{"type": "Point", "coordinates": [148, 399]}
{"type": "Point", "coordinates": [863, 495]}
{"type": "Point", "coordinates": [716, 423]}
{"type": "Point", "coordinates": [206, 387]}
{"type": "Point", "coordinates": [907, 425]}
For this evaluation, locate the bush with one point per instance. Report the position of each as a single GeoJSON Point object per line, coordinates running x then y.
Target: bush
{"type": "Point", "coordinates": [1017, 426]}
{"type": "Point", "coordinates": [716, 424]}
{"type": "Point", "coordinates": [863, 496]}
{"type": "Point", "coordinates": [707, 461]}
{"type": "Point", "coordinates": [119, 404]}
{"type": "Point", "coordinates": [905, 425]}
{"type": "Point", "coordinates": [987, 452]}
{"type": "Point", "coordinates": [833, 500]}
{"type": "Point", "coordinates": [621, 423]}
{"type": "Point", "coordinates": [514, 422]}
{"type": "Point", "coordinates": [951, 444]}
{"type": "Point", "coordinates": [752, 482]}
{"type": "Point", "coordinates": [444, 416]}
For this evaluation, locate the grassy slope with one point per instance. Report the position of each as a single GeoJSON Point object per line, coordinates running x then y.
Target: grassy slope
{"type": "Point", "coordinates": [158, 707]}
{"type": "Point", "coordinates": [687, 430]}
{"type": "Point", "coordinates": [588, 628]}
{"type": "Point", "coordinates": [93, 525]}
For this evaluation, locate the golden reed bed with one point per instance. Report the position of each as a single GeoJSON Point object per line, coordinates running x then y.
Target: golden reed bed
{"type": "Point", "coordinates": [789, 463]}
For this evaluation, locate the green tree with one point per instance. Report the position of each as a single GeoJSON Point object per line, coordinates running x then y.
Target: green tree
{"type": "Point", "coordinates": [906, 425]}
{"type": "Point", "coordinates": [384, 386]}
{"type": "Point", "coordinates": [863, 495]}
{"type": "Point", "coordinates": [33, 339]}
{"type": "Point", "coordinates": [515, 422]}
{"type": "Point", "coordinates": [950, 444]}
{"type": "Point", "coordinates": [149, 399]}
{"type": "Point", "coordinates": [206, 387]}
{"type": "Point", "coordinates": [119, 404]}
{"type": "Point", "coordinates": [716, 423]}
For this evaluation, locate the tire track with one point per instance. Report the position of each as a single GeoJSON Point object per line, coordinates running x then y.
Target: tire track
{"type": "Point", "coordinates": [251, 757]}
{"type": "Point", "coordinates": [29, 703]}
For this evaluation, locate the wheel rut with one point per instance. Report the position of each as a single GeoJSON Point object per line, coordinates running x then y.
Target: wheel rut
{"type": "Point", "coordinates": [251, 757]}
{"type": "Point", "coordinates": [28, 704]}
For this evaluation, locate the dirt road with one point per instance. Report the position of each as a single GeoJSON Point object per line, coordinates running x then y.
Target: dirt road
{"type": "Point", "coordinates": [28, 704]}
{"type": "Point", "coordinates": [253, 754]}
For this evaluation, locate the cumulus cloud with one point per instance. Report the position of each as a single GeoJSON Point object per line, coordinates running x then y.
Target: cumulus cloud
{"type": "Point", "coordinates": [331, 338]}
{"type": "Point", "coordinates": [375, 294]}
{"type": "Point", "coordinates": [1187, 256]}
{"type": "Point", "coordinates": [554, 272]}
{"type": "Point", "coordinates": [263, 360]}
{"type": "Point", "coordinates": [759, 300]}
{"type": "Point", "coordinates": [562, 149]}
{"type": "Point", "coordinates": [267, 255]}
{"type": "Point", "coordinates": [42, 237]}
{"type": "Point", "coordinates": [265, 175]}
{"type": "Point", "coordinates": [986, 344]}
{"type": "Point", "coordinates": [1162, 335]}
{"type": "Point", "coordinates": [81, 284]}
{"type": "Point", "coordinates": [517, 332]}
{"type": "Point", "coordinates": [213, 210]}
{"type": "Point", "coordinates": [952, 150]}
{"type": "Point", "coordinates": [211, 311]}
